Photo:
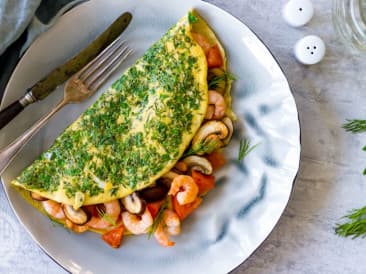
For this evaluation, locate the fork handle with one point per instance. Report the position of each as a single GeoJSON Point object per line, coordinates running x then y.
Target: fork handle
{"type": "Point", "coordinates": [8, 153]}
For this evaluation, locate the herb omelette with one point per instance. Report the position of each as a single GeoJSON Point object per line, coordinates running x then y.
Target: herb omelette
{"type": "Point", "coordinates": [134, 133]}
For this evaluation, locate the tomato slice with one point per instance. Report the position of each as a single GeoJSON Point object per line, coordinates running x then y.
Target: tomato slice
{"type": "Point", "coordinates": [114, 236]}
{"type": "Point", "coordinates": [216, 159]}
{"type": "Point", "coordinates": [205, 182]}
{"type": "Point", "coordinates": [154, 208]}
{"type": "Point", "coordinates": [183, 211]}
{"type": "Point", "coordinates": [94, 210]}
{"type": "Point", "coordinates": [214, 58]}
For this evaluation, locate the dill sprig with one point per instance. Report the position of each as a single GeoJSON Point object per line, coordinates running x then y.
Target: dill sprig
{"type": "Point", "coordinates": [355, 226]}
{"type": "Point", "coordinates": [158, 218]}
{"type": "Point", "coordinates": [203, 148]}
{"type": "Point", "coordinates": [355, 126]}
{"type": "Point", "coordinates": [245, 148]}
{"type": "Point", "coordinates": [223, 77]}
{"type": "Point", "coordinates": [102, 214]}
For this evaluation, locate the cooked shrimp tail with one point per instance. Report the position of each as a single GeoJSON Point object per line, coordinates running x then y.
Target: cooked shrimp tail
{"type": "Point", "coordinates": [216, 105]}
{"type": "Point", "coordinates": [112, 212]}
{"type": "Point", "coordinates": [170, 225]}
{"type": "Point", "coordinates": [137, 224]}
{"type": "Point", "coordinates": [185, 188]}
{"type": "Point", "coordinates": [162, 237]}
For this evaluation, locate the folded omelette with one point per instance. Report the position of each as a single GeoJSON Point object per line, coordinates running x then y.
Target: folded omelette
{"type": "Point", "coordinates": [137, 130]}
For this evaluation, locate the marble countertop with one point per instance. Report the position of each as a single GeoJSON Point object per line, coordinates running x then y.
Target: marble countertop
{"type": "Point", "coordinates": [330, 180]}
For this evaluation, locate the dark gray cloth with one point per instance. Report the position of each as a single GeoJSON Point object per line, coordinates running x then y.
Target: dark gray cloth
{"type": "Point", "coordinates": [21, 21]}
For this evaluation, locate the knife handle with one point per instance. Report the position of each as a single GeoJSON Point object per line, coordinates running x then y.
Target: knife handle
{"type": "Point", "coordinates": [9, 113]}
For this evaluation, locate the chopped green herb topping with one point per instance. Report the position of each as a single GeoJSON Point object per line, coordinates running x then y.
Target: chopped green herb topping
{"type": "Point", "coordinates": [132, 131]}
{"type": "Point", "coordinates": [191, 18]}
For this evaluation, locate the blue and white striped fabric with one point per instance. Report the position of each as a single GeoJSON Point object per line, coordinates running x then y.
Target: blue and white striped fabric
{"type": "Point", "coordinates": [25, 19]}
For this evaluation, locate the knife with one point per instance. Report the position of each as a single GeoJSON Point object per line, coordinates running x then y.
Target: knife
{"type": "Point", "coordinates": [60, 74]}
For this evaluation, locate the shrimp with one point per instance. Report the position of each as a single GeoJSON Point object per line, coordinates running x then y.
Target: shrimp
{"type": "Point", "coordinates": [112, 210]}
{"type": "Point", "coordinates": [185, 188]}
{"type": "Point", "coordinates": [54, 209]}
{"type": "Point", "coordinates": [162, 237]}
{"type": "Point", "coordinates": [210, 112]}
{"type": "Point", "coordinates": [217, 101]}
{"type": "Point", "coordinates": [170, 225]}
{"type": "Point", "coordinates": [172, 222]}
{"type": "Point", "coordinates": [202, 41]}
{"type": "Point", "coordinates": [137, 224]}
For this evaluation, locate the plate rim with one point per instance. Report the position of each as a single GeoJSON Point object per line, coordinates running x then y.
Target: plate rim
{"type": "Point", "coordinates": [255, 35]}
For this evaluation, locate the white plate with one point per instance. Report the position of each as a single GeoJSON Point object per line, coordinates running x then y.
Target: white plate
{"type": "Point", "coordinates": [238, 214]}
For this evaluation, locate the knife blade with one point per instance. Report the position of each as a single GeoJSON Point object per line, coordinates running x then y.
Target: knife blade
{"type": "Point", "coordinates": [59, 75]}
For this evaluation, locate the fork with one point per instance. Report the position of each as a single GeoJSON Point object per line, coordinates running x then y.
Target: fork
{"type": "Point", "coordinates": [78, 88]}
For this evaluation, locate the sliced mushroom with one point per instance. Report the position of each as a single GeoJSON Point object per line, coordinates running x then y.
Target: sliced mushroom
{"type": "Point", "coordinates": [198, 163]}
{"type": "Point", "coordinates": [54, 209]}
{"type": "Point", "coordinates": [76, 228]}
{"type": "Point", "coordinates": [153, 194]}
{"type": "Point", "coordinates": [209, 137]}
{"type": "Point", "coordinates": [69, 224]}
{"type": "Point", "coordinates": [181, 166]}
{"type": "Point", "coordinates": [170, 175]}
{"type": "Point", "coordinates": [78, 216]}
{"type": "Point", "coordinates": [134, 204]}
{"type": "Point", "coordinates": [229, 124]}
{"type": "Point", "coordinates": [167, 178]}
{"type": "Point", "coordinates": [37, 197]}
{"type": "Point", "coordinates": [164, 181]}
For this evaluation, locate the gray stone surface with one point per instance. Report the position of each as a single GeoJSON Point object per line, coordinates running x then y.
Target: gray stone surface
{"type": "Point", "coordinates": [330, 180]}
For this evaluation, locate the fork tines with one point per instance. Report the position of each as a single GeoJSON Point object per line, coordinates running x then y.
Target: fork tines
{"type": "Point", "coordinates": [102, 66]}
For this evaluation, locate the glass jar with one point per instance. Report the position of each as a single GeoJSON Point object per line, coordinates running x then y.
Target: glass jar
{"type": "Point", "coordinates": [349, 20]}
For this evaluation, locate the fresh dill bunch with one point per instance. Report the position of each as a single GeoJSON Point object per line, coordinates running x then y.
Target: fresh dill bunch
{"type": "Point", "coordinates": [245, 148]}
{"type": "Point", "coordinates": [355, 226]}
{"type": "Point", "coordinates": [158, 219]}
{"type": "Point", "coordinates": [213, 83]}
{"type": "Point", "coordinates": [355, 126]}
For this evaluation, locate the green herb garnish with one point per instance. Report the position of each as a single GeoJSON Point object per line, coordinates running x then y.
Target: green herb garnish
{"type": "Point", "coordinates": [356, 225]}
{"type": "Point", "coordinates": [245, 148]}
{"type": "Point", "coordinates": [203, 148]}
{"type": "Point", "coordinates": [158, 218]}
{"type": "Point", "coordinates": [191, 18]}
{"type": "Point", "coordinates": [356, 219]}
{"type": "Point", "coordinates": [213, 83]}
{"type": "Point", "coordinates": [355, 126]}
{"type": "Point", "coordinates": [102, 214]}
